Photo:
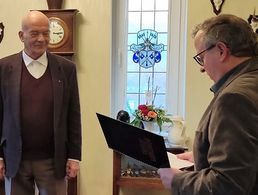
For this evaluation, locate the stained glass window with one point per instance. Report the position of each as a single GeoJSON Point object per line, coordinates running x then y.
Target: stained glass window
{"type": "Point", "coordinates": [149, 41]}
{"type": "Point", "coordinates": [147, 51]}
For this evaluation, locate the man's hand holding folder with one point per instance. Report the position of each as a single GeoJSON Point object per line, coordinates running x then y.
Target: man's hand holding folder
{"type": "Point", "coordinates": [178, 163]}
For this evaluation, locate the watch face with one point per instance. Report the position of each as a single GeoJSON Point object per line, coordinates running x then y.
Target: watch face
{"type": "Point", "coordinates": [58, 32]}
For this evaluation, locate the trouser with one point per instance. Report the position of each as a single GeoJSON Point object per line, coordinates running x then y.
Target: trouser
{"type": "Point", "coordinates": [35, 174]}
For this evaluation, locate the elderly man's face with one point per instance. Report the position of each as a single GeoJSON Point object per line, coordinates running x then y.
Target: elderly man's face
{"type": "Point", "coordinates": [35, 36]}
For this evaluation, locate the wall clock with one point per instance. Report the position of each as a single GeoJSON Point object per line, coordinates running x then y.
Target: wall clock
{"type": "Point", "coordinates": [62, 28]}
{"type": "Point", "coordinates": [58, 32]}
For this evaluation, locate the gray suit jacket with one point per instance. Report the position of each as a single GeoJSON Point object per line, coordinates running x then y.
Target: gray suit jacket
{"type": "Point", "coordinates": [226, 141]}
{"type": "Point", "coordinates": [67, 120]}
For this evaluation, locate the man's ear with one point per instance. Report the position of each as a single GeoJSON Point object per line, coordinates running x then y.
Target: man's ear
{"type": "Point", "coordinates": [223, 49]}
{"type": "Point", "coordinates": [21, 36]}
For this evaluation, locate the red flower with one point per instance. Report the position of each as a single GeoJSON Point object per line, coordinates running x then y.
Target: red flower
{"type": "Point", "coordinates": [145, 112]}
{"type": "Point", "coordinates": [142, 107]}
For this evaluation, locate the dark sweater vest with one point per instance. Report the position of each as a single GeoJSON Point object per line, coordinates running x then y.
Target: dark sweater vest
{"type": "Point", "coordinates": [37, 116]}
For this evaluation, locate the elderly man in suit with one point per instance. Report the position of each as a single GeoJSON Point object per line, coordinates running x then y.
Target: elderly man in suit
{"type": "Point", "coordinates": [40, 125]}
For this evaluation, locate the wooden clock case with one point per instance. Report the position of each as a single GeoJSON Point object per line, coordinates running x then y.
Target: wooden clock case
{"type": "Point", "coordinates": [68, 17]}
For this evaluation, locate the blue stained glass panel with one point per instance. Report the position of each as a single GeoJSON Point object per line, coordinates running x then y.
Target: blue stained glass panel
{"type": "Point", "coordinates": [134, 5]}
{"type": "Point", "coordinates": [147, 5]}
{"type": "Point", "coordinates": [134, 22]}
{"type": "Point", "coordinates": [133, 83]}
{"type": "Point", "coordinates": [147, 51]}
{"type": "Point", "coordinates": [161, 21]}
{"type": "Point", "coordinates": [147, 20]}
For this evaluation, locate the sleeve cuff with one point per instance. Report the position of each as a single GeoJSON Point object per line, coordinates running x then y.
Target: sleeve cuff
{"type": "Point", "coordinates": [71, 159]}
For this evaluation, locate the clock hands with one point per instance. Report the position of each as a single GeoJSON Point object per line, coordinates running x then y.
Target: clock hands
{"type": "Point", "coordinates": [58, 33]}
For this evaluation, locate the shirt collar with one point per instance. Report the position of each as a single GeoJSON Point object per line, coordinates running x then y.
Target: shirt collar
{"type": "Point", "coordinates": [42, 59]}
{"type": "Point", "coordinates": [217, 85]}
{"type": "Point", "coordinates": [215, 88]}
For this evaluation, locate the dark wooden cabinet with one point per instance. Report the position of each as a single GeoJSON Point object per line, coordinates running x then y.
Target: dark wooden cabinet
{"type": "Point", "coordinates": [136, 182]}
{"type": "Point", "coordinates": [132, 182]}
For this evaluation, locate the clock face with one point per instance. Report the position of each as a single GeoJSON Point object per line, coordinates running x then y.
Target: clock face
{"type": "Point", "coordinates": [58, 32]}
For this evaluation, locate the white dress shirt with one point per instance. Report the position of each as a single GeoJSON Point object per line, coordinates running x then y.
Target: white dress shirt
{"type": "Point", "coordinates": [35, 67]}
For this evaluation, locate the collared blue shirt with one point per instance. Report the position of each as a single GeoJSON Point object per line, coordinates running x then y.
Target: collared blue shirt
{"type": "Point", "coordinates": [220, 82]}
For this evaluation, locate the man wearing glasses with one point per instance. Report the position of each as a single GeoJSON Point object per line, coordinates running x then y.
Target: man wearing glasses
{"type": "Point", "coordinates": [225, 151]}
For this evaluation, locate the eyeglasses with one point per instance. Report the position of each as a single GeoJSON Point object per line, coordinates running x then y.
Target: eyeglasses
{"type": "Point", "coordinates": [198, 58]}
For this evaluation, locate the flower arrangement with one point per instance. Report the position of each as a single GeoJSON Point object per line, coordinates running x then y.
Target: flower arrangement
{"type": "Point", "coordinates": [150, 113]}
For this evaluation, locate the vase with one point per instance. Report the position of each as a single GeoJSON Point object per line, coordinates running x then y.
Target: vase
{"type": "Point", "coordinates": [54, 4]}
{"type": "Point", "coordinates": [176, 136]}
{"type": "Point", "coordinates": [151, 126]}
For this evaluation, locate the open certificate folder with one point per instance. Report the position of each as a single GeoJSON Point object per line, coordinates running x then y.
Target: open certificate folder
{"type": "Point", "coordinates": [137, 143]}
{"type": "Point", "coordinates": [178, 163]}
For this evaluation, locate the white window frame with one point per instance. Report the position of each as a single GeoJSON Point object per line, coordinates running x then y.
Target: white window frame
{"type": "Point", "coordinates": [177, 33]}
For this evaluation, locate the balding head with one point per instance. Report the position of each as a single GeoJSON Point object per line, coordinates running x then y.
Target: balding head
{"type": "Point", "coordinates": [33, 17]}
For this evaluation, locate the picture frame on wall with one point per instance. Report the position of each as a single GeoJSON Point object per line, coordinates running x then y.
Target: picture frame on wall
{"type": "Point", "coordinates": [217, 5]}
{"type": "Point", "coordinates": [253, 21]}
{"type": "Point", "coordinates": [1, 31]}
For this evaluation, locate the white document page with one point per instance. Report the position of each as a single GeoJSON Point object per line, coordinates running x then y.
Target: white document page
{"type": "Point", "coordinates": [178, 163]}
